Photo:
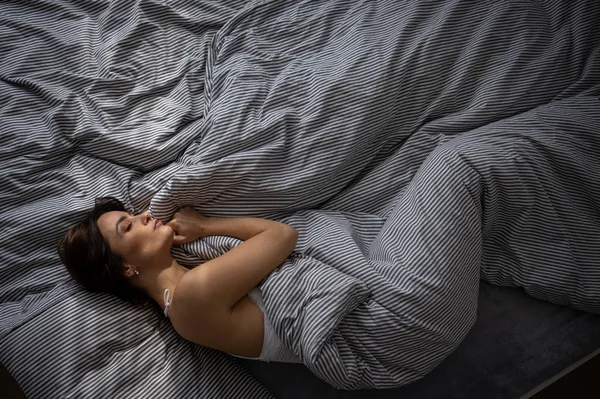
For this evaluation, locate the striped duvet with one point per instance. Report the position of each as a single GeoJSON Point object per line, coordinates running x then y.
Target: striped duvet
{"type": "Point", "coordinates": [418, 147]}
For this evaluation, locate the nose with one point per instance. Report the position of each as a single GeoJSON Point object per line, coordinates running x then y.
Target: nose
{"type": "Point", "coordinates": [145, 218]}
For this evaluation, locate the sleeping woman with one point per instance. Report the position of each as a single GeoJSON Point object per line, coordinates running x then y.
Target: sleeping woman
{"type": "Point", "coordinates": [216, 304]}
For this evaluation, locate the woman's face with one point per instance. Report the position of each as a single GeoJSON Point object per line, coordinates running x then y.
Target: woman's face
{"type": "Point", "coordinates": [138, 240]}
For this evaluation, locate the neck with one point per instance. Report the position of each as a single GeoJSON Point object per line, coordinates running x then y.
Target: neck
{"type": "Point", "coordinates": [155, 281]}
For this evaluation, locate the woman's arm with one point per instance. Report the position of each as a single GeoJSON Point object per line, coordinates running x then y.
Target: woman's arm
{"type": "Point", "coordinates": [211, 306]}
{"type": "Point", "coordinates": [232, 275]}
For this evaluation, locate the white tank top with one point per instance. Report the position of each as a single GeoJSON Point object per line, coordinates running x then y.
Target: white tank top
{"type": "Point", "coordinates": [273, 349]}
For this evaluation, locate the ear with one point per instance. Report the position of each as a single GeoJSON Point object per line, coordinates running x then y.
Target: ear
{"type": "Point", "coordinates": [129, 270]}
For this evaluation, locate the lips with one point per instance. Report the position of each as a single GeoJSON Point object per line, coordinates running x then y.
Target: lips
{"type": "Point", "coordinates": [157, 224]}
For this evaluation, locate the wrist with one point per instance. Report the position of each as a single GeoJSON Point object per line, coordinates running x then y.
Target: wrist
{"type": "Point", "coordinates": [203, 227]}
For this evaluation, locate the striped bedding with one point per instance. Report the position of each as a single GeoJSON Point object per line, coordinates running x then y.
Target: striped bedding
{"type": "Point", "coordinates": [418, 147]}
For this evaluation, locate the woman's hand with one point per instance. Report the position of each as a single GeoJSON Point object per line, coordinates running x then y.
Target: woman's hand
{"type": "Point", "coordinates": [188, 225]}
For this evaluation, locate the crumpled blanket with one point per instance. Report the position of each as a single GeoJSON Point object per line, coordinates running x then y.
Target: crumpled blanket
{"type": "Point", "coordinates": [412, 168]}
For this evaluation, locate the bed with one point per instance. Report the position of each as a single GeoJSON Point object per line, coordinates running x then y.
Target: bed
{"type": "Point", "coordinates": [340, 118]}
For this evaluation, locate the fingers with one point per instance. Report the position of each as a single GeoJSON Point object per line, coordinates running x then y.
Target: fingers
{"type": "Point", "coordinates": [172, 224]}
{"type": "Point", "coordinates": [182, 223]}
{"type": "Point", "coordinates": [178, 240]}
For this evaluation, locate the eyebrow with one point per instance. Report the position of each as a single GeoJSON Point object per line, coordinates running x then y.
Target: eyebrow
{"type": "Point", "coordinates": [119, 222]}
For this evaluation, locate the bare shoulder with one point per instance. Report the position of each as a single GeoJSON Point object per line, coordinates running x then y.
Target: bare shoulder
{"type": "Point", "coordinates": [190, 306]}
{"type": "Point", "coordinates": [200, 317]}
{"type": "Point", "coordinates": [193, 287]}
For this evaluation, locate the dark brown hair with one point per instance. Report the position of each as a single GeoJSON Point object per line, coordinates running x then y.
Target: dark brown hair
{"type": "Point", "coordinates": [89, 260]}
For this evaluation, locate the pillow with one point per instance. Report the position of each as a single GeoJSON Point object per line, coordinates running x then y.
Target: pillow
{"type": "Point", "coordinates": [78, 344]}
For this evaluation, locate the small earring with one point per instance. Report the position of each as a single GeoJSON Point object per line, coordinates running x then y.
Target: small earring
{"type": "Point", "coordinates": [136, 272]}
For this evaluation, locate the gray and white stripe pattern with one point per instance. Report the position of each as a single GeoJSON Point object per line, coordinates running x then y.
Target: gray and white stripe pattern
{"type": "Point", "coordinates": [95, 96]}
{"type": "Point", "coordinates": [417, 146]}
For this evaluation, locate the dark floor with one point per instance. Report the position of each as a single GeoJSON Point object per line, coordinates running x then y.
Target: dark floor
{"type": "Point", "coordinates": [581, 383]}
{"type": "Point", "coordinates": [8, 386]}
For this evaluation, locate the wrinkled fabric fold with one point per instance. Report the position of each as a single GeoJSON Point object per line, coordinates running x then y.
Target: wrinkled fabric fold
{"type": "Point", "coordinates": [411, 169]}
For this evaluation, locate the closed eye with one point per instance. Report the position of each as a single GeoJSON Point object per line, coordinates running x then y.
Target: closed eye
{"type": "Point", "coordinates": [128, 227]}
